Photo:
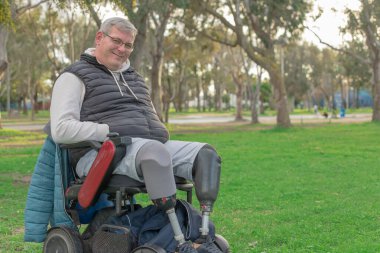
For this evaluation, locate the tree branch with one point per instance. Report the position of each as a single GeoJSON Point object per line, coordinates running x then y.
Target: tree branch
{"type": "Point", "coordinates": [256, 26]}
{"type": "Point", "coordinates": [219, 40]}
{"type": "Point", "coordinates": [22, 9]}
{"type": "Point", "coordinates": [220, 17]}
{"type": "Point", "coordinates": [93, 13]}
{"type": "Point", "coordinates": [361, 59]}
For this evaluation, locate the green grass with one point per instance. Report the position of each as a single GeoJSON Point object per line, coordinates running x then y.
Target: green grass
{"type": "Point", "coordinates": [40, 117]}
{"type": "Point", "coordinates": [310, 189]}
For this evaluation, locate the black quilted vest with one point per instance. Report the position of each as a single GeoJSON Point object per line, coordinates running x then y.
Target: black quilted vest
{"type": "Point", "coordinates": [104, 103]}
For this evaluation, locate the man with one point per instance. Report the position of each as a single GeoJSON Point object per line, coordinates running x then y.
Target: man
{"type": "Point", "coordinates": [102, 93]}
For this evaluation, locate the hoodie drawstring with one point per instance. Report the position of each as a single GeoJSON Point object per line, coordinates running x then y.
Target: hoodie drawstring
{"type": "Point", "coordinates": [124, 83]}
{"type": "Point", "coordinates": [117, 83]}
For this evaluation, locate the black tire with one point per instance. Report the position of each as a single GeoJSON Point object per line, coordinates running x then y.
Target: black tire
{"type": "Point", "coordinates": [149, 249]}
{"type": "Point", "coordinates": [222, 243]}
{"type": "Point", "coordinates": [63, 240]}
{"type": "Point", "coordinates": [100, 217]}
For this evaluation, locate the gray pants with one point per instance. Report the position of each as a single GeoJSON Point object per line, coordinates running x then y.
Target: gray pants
{"type": "Point", "coordinates": [182, 156]}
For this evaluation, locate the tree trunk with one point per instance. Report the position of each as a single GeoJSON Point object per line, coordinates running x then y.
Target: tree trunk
{"type": "Point", "coordinates": [239, 101]}
{"type": "Point", "coordinates": [180, 95]}
{"type": "Point", "coordinates": [166, 107]}
{"type": "Point", "coordinates": [254, 118]}
{"type": "Point", "coordinates": [31, 97]}
{"type": "Point", "coordinates": [368, 17]}
{"type": "Point", "coordinates": [3, 54]}
{"type": "Point", "coordinates": [254, 96]}
{"type": "Point", "coordinates": [156, 82]}
{"type": "Point", "coordinates": [138, 51]}
{"type": "Point", "coordinates": [376, 88]}
{"type": "Point", "coordinates": [356, 98]}
{"type": "Point", "coordinates": [8, 91]}
{"type": "Point", "coordinates": [140, 21]}
{"type": "Point", "coordinates": [198, 90]}
{"type": "Point", "coordinates": [205, 98]}
{"type": "Point", "coordinates": [19, 103]}
{"type": "Point", "coordinates": [3, 49]}
{"type": "Point", "coordinates": [218, 98]}
{"type": "Point", "coordinates": [280, 98]}
{"type": "Point", "coordinates": [291, 101]}
{"type": "Point", "coordinates": [24, 106]}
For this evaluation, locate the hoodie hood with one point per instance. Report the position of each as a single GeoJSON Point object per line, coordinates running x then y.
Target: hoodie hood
{"type": "Point", "coordinates": [117, 75]}
{"type": "Point", "coordinates": [125, 66]}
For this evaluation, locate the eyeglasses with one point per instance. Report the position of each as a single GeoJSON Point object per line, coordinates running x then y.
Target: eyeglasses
{"type": "Point", "coordinates": [119, 42]}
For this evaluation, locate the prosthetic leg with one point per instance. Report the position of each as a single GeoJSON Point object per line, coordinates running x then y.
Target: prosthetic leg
{"type": "Point", "coordinates": [153, 162]}
{"type": "Point", "coordinates": [206, 173]}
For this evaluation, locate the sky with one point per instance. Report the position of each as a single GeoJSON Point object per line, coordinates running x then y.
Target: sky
{"type": "Point", "coordinates": [327, 26]}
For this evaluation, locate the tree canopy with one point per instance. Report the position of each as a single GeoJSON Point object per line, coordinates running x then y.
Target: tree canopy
{"type": "Point", "coordinates": [196, 53]}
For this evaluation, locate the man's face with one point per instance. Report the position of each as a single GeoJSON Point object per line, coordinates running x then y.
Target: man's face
{"type": "Point", "coordinates": [113, 48]}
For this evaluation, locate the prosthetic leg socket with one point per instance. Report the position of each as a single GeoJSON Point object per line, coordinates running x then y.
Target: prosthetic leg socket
{"type": "Point", "coordinates": [206, 172]}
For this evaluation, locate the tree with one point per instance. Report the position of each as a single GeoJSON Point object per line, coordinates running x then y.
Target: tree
{"type": "Point", "coordinates": [257, 20]}
{"type": "Point", "coordinates": [160, 18]}
{"type": "Point", "coordinates": [367, 22]}
{"type": "Point", "coordinates": [236, 70]}
{"type": "Point", "coordinates": [27, 59]}
{"type": "Point", "coordinates": [296, 73]}
{"type": "Point", "coordinates": [138, 14]}
{"type": "Point", "coordinates": [179, 60]}
{"type": "Point", "coordinates": [314, 71]}
{"type": "Point", "coordinates": [331, 73]}
{"type": "Point", "coordinates": [9, 12]}
{"type": "Point", "coordinates": [364, 26]}
{"type": "Point", "coordinates": [356, 74]}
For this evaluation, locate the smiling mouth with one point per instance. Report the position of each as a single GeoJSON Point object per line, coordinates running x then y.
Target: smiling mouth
{"type": "Point", "coordinates": [121, 56]}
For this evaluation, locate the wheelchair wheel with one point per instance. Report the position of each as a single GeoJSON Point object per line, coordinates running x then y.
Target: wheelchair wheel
{"type": "Point", "coordinates": [63, 240]}
{"type": "Point", "coordinates": [149, 249]}
{"type": "Point", "coordinates": [222, 243]}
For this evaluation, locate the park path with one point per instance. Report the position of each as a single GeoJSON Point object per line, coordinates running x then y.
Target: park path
{"type": "Point", "coordinates": [212, 118]}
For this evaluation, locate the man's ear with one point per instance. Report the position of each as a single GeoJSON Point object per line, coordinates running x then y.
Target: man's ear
{"type": "Point", "coordinates": [98, 37]}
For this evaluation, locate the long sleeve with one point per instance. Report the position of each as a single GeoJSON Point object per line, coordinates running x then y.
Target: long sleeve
{"type": "Point", "coordinates": [66, 127]}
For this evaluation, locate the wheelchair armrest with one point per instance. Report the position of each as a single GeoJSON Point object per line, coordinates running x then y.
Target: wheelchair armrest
{"type": "Point", "coordinates": [114, 137]}
{"type": "Point", "coordinates": [121, 140]}
{"type": "Point", "coordinates": [83, 144]}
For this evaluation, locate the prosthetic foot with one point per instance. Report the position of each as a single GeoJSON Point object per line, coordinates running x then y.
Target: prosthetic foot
{"type": "Point", "coordinates": [206, 172]}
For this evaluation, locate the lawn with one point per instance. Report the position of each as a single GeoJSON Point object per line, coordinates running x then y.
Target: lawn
{"type": "Point", "coordinates": [304, 189]}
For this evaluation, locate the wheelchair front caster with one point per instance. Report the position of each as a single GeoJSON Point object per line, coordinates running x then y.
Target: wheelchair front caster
{"type": "Point", "coordinates": [149, 249]}
{"type": "Point", "coordinates": [222, 243]}
{"type": "Point", "coordinates": [63, 240]}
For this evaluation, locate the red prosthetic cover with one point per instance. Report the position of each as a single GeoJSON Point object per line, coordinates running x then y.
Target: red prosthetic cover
{"type": "Point", "coordinates": [99, 174]}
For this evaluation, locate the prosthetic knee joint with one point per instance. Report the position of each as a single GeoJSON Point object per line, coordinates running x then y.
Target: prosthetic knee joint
{"type": "Point", "coordinates": [206, 173]}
